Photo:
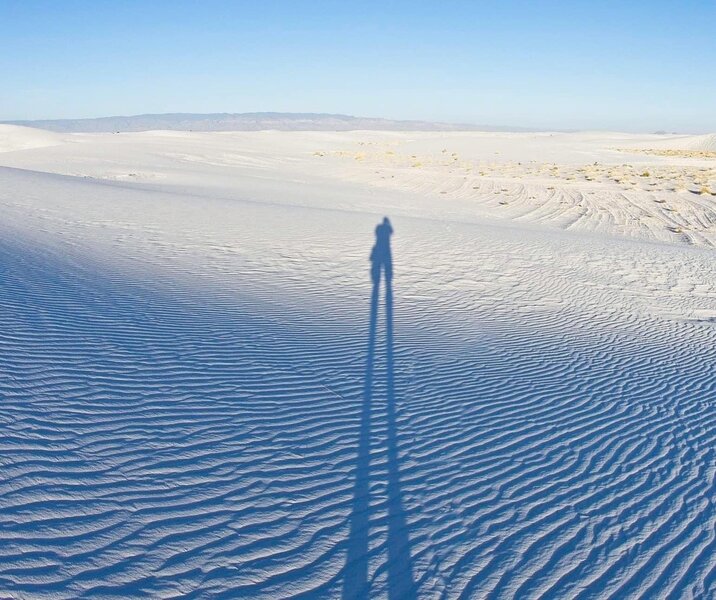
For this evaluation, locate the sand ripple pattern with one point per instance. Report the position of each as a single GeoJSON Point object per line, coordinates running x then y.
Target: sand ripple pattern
{"type": "Point", "coordinates": [178, 434]}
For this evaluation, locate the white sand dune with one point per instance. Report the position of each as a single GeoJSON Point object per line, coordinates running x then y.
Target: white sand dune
{"type": "Point", "coordinates": [615, 184]}
{"type": "Point", "coordinates": [705, 142]}
{"type": "Point", "coordinates": [194, 408]}
{"type": "Point", "coordinates": [14, 137]}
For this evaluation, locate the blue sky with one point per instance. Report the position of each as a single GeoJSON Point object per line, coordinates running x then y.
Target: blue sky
{"type": "Point", "coordinates": [634, 66]}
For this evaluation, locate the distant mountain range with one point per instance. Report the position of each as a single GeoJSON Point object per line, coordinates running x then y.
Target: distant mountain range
{"type": "Point", "coordinates": [248, 122]}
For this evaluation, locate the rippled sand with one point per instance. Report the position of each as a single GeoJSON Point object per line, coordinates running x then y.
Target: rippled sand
{"type": "Point", "coordinates": [184, 366]}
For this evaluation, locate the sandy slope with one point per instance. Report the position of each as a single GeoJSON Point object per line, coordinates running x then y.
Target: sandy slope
{"type": "Point", "coordinates": [13, 138]}
{"type": "Point", "coordinates": [185, 347]}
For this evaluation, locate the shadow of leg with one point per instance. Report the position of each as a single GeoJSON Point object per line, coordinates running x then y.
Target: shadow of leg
{"type": "Point", "coordinates": [355, 581]}
{"type": "Point", "coordinates": [400, 568]}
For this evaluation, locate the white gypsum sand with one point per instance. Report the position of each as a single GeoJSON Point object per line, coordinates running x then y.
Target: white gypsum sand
{"type": "Point", "coordinates": [184, 359]}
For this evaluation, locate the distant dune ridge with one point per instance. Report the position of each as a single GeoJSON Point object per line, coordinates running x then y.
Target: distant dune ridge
{"type": "Point", "coordinates": [14, 137]}
{"type": "Point", "coordinates": [704, 142]}
{"type": "Point", "coordinates": [249, 122]}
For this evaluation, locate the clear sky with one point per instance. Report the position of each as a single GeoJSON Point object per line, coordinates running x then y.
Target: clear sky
{"type": "Point", "coordinates": [622, 65]}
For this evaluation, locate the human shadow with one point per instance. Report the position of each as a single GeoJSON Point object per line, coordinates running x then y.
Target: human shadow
{"type": "Point", "coordinates": [399, 567]}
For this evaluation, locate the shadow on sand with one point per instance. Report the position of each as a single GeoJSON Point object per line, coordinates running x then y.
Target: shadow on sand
{"type": "Point", "coordinates": [400, 569]}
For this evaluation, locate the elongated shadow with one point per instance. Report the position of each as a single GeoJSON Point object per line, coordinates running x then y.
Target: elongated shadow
{"type": "Point", "coordinates": [400, 569]}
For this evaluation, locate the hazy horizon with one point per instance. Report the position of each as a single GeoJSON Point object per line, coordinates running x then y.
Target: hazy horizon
{"type": "Point", "coordinates": [584, 66]}
{"type": "Point", "coordinates": [274, 119]}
